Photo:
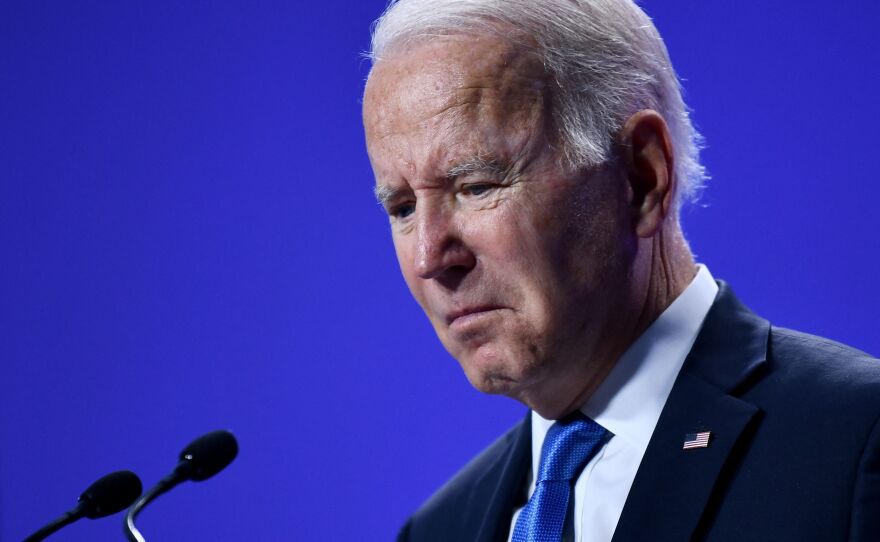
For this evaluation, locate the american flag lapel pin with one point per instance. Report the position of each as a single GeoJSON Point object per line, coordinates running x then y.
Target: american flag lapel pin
{"type": "Point", "coordinates": [696, 440]}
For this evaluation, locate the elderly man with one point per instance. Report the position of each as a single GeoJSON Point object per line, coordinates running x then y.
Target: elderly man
{"type": "Point", "coordinates": [532, 158]}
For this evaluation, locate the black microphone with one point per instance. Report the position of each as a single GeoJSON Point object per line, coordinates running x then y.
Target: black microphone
{"type": "Point", "coordinates": [202, 459]}
{"type": "Point", "coordinates": [112, 493]}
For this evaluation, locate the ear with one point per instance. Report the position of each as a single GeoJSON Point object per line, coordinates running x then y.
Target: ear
{"type": "Point", "coordinates": [646, 152]}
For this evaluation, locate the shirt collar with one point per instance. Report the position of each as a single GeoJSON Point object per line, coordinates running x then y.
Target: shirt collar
{"type": "Point", "coordinates": [629, 401]}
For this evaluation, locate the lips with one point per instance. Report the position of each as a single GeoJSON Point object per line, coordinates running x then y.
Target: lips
{"type": "Point", "coordinates": [468, 312]}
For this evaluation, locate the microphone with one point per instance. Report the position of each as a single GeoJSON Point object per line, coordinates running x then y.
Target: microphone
{"type": "Point", "coordinates": [112, 493]}
{"type": "Point", "coordinates": [200, 460]}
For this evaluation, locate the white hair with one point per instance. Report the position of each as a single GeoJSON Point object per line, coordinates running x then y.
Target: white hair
{"type": "Point", "coordinates": [605, 56]}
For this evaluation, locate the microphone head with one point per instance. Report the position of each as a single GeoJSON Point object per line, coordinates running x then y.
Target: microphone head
{"type": "Point", "coordinates": [112, 493]}
{"type": "Point", "coordinates": [208, 455]}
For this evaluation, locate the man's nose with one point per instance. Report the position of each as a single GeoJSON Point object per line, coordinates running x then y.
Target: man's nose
{"type": "Point", "coordinates": [440, 249]}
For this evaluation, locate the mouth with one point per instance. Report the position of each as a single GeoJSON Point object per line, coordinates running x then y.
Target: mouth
{"type": "Point", "coordinates": [467, 314]}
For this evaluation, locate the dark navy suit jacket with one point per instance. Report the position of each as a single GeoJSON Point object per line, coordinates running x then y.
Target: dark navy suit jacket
{"type": "Point", "coordinates": [794, 455]}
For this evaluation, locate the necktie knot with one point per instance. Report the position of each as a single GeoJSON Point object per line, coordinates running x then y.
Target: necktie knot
{"type": "Point", "coordinates": [569, 444]}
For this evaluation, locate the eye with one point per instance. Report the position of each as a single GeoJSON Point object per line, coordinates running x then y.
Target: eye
{"type": "Point", "coordinates": [402, 210]}
{"type": "Point", "coordinates": [478, 189]}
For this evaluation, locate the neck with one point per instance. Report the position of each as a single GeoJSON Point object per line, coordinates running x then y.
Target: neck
{"type": "Point", "coordinates": [667, 269]}
{"type": "Point", "coordinates": [663, 268]}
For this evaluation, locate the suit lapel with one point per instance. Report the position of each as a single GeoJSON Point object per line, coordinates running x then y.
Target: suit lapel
{"type": "Point", "coordinates": [673, 486]}
{"type": "Point", "coordinates": [499, 491]}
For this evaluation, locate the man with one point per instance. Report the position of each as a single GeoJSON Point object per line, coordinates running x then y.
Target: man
{"type": "Point", "coordinates": [532, 158]}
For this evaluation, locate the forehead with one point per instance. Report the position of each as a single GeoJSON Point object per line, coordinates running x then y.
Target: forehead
{"type": "Point", "coordinates": [452, 89]}
{"type": "Point", "coordinates": [430, 75]}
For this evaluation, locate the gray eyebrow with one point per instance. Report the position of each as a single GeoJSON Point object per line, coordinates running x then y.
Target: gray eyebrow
{"type": "Point", "coordinates": [385, 193]}
{"type": "Point", "coordinates": [476, 165]}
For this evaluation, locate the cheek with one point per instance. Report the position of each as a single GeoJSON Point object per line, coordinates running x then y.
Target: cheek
{"type": "Point", "coordinates": [592, 229]}
{"type": "Point", "coordinates": [517, 267]}
{"type": "Point", "coordinates": [559, 253]}
{"type": "Point", "coordinates": [405, 252]}
{"type": "Point", "coordinates": [529, 244]}
{"type": "Point", "coordinates": [509, 233]}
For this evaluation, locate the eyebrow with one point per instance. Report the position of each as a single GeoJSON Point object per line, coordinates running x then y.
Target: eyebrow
{"type": "Point", "coordinates": [477, 164]}
{"type": "Point", "coordinates": [384, 194]}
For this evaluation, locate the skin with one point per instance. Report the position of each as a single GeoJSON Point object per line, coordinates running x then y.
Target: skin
{"type": "Point", "coordinates": [535, 277]}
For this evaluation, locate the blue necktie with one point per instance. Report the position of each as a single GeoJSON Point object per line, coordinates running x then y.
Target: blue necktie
{"type": "Point", "coordinates": [568, 446]}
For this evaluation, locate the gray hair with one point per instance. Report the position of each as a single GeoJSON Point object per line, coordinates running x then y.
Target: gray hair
{"type": "Point", "coordinates": [606, 57]}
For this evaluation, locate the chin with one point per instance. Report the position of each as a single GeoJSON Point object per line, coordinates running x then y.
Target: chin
{"type": "Point", "coordinates": [496, 373]}
{"type": "Point", "coordinates": [493, 383]}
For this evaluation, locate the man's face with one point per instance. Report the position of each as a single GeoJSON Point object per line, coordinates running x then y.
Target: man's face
{"type": "Point", "coordinates": [518, 262]}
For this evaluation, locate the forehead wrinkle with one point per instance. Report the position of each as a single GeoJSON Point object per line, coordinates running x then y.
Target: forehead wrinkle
{"type": "Point", "coordinates": [507, 73]}
{"type": "Point", "coordinates": [482, 108]}
{"type": "Point", "coordinates": [442, 124]}
{"type": "Point", "coordinates": [488, 137]}
{"type": "Point", "coordinates": [486, 110]}
{"type": "Point", "coordinates": [488, 105]}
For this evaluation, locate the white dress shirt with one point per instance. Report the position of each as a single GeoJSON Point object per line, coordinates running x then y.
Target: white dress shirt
{"type": "Point", "coordinates": [628, 404]}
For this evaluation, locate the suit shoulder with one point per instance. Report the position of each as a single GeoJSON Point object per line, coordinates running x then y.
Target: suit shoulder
{"type": "Point", "coordinates": [818, 373]}
{"type": "Point", "coordinates": [837, 362]}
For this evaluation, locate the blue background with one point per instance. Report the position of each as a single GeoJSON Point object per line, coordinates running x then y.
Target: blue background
{"type": "Point", "coordinates": [189, 241]}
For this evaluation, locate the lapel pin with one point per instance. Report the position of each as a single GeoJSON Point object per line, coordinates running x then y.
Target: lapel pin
{"type": "Point", "coordinates": [696, 440]}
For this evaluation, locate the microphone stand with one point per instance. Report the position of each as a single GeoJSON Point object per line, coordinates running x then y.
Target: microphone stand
{"type": "Point", "coordinates": [63, 520]}
{"type": "Point", "coordinates": [178, 475]}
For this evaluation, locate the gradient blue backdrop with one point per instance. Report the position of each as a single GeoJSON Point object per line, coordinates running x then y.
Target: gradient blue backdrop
{"type": "Point", "coordinates": [189, 241]}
